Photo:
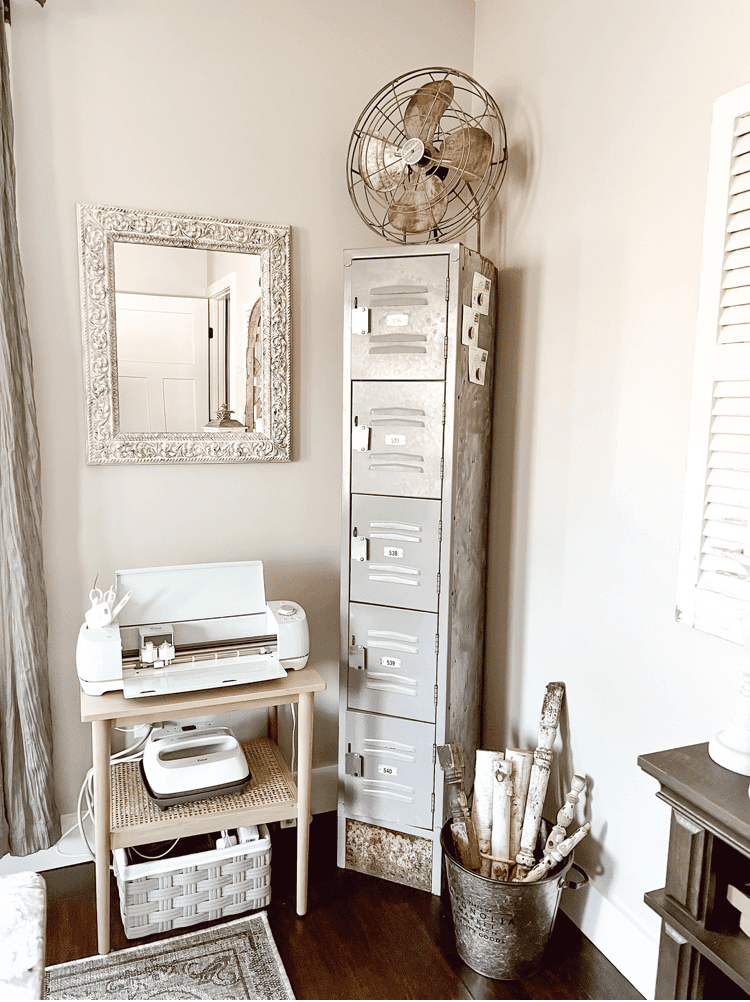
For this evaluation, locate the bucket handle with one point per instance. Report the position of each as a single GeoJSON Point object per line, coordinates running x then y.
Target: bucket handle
{"type": "Point", "coordinates": [575, 884]}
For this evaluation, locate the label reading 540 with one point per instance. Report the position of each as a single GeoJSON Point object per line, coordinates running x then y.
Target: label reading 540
{"type": "Point", "coordinates": [388, 770]}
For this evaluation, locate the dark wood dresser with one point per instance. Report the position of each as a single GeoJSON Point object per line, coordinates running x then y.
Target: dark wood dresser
{"type": "Point", "coordinates": [703, 954]}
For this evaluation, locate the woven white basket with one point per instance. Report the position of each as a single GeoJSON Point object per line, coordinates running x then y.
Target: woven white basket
{"type": "Point", "coordinates": [160, 895]}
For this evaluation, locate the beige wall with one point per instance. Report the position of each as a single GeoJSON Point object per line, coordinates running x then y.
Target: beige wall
{"type": "Point", "coordinates": [240, 110]}
{"type": "Point", "coordinates": [608, 107]}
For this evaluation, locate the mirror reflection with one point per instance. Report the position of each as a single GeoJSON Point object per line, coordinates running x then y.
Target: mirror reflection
{"type": "Point", "coordinates": [188, 338]}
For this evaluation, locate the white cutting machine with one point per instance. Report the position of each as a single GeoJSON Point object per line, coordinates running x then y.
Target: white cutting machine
{"type": "Point", "coordinates": [199, 626]}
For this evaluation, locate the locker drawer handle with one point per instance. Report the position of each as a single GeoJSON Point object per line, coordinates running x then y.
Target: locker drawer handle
{"type": "Point", "coordinates": [399, 678]}
{"type": "Point", "coordinates": [392, 569]}
{"type": "Point", "coordinates": [393, 646]}
{"type": "Point", "coordinates": [397, 349]}
{"type": "Point", "coordinates": [397, 457]}
{"type": "Point", "coordinates": [396, 525]}
{"type": "Point", "coordinates": [390, 338]}
{"type": "Point", "coordinates": [397, 422]}
{"type": "Point", "coordinates": [390, 687]}
{"type": "Point", "coordinates": [388, 794]}
{"type": "Point", "coordinates": [388, 785]}
{"type": "Point", "coordinates": [385, 745]}
{"type": "Point", "coordinates": [392, 580]}
{"type": "Point", "coordinates": [393, 467]}
{"type": "Point", "coordinates": [391, 754]}
{"type": "Point", "coordinates": [397, 411]}
{"type": "Point", "coordinates": [395, 535]}
{"type": "Point", "coordinates": [392, 635]}
{"type": "Point", "coordinates": [397, 290]}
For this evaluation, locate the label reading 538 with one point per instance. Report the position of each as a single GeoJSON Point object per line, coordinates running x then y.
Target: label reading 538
{"type": "Point", "coordinates": [393, 551]}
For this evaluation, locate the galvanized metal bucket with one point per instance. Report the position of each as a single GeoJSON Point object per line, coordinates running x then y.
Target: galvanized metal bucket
{"type": "Point", "coordinates": [502, 929]}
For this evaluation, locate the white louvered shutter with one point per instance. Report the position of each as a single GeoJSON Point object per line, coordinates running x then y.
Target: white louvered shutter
{"type": "Point", "coordinates": [713, 595]}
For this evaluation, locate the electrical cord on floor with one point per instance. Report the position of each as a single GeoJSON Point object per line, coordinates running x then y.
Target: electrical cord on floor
{"type": "Point", "coordinates": [132, 754]}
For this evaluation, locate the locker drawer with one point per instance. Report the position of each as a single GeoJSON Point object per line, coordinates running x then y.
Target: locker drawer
{"type": "Point", "coordinates": [397, 438]}
{"type": "Point", "coordinates": [394, 769]}
{"type": "Point", "coordinates": [395, 552]}
{"type": "Point", "coordinates": [393, 661]}
{"type": "Point", "coordinates": [406, 317]}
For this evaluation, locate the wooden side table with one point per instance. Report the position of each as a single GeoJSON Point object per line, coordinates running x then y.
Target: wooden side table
{"type": "Point", "coordinates": [116, 827]}
{"type": "Point", "coordinates": [702, 951]}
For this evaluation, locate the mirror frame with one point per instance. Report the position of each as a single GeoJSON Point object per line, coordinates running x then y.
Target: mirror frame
{"type": "Point", "coordinates": [99, 228]}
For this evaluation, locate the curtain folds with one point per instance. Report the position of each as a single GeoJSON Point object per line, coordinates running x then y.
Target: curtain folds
{"type": "Point", "coordinates": [29, 820]}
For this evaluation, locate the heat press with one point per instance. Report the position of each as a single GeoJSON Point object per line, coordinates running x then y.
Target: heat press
{"type": "Point", "coordinates": [183, 763]}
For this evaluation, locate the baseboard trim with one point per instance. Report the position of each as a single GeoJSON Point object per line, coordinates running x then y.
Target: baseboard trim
{"type": "Point", "coordinates": [627, 945]}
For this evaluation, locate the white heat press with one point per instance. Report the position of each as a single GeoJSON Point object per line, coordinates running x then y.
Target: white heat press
{"type": "Point", "coordinates": [183, 763]}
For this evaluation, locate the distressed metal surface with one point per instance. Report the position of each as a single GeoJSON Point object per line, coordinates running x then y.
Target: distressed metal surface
{"type": "Point", "coordinates": [394, 290]}
{"type": "Point", "coordinates": [408, 526]}
{"type": "Point", "coordinates": [404, 421]}
{"type": "Point", "coordinates": [502, 929]}
{"type": "Point", "coordinates": [397, 856]}
{"type": "Point", "coordinates": [397, 774]}
{"type": "Point", "coordinates": [398, 659]}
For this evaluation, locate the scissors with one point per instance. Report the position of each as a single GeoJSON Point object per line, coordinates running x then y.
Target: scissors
{"type": "Point", "coordinates": [96, 595]}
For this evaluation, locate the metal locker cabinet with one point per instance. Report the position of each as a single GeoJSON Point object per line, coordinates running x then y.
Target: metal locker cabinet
{"type": "Point", "coordinates": [389, 771]}
{"type": "Point", "coordinates": [397, 438]}
{"type": "Point", "coordinates": [397, 317]}
{"type": "Point", "coordinates": [392, 661]}
{"type": "Point", "coordinates": [395, 551]}
{"type": "Point", "coordinates": [403, 320]}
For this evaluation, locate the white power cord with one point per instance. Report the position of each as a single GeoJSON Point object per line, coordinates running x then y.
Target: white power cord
{"type": "Point", "coordinates": [294, 735]}
{"type": "Point", "coordinates": [132, 754]}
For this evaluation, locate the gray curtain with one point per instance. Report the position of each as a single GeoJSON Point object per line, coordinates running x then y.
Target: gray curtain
{"type": "Point", "coordinates": [29, 819]}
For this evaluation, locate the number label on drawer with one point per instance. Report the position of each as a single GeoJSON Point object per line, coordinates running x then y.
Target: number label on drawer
{"type": "Point", "coordinates": [388, 770]}
{"type": "Point", "coordinates": [390, 662]}
{"type": "Point", "coordinates": [393, 551]}
{"type": "Point", "coordinates": [395, 439]}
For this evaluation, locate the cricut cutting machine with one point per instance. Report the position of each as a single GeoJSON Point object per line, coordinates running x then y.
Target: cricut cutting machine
{"type": "Point", "coordinates": [198, 626]}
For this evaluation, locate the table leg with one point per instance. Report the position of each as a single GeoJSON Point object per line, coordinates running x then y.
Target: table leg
{"type": "Point", "coordinates": [272, 727]}
{"type": "Point", "coordinates": [100, 735]}
{"type": "Point", "coordinates": [304, 776]}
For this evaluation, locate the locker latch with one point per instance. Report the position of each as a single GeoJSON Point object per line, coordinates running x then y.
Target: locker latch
{"type": "Point", "coordinates": [354, 764]}
{"type": "Point", "coordinates": [360, 438]}
{"type": "Point", "coordinates": [359, 547]}
{"type": "Point", "coordinates": [358, 657]}
{"type": "Point", "coordinates": [361, 320]}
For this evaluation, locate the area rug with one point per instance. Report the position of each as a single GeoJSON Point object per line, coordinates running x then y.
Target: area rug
{"type": "Point", "coordinates": [237, 960]}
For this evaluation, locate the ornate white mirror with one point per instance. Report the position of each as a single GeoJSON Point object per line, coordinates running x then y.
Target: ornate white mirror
{"type": "Point", "coordinates": [185, 337]}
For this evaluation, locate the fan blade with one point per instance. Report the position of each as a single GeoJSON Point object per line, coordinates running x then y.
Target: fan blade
{"type": "Point", "coordinates": [420, 207]}
{"type": "Point", "coordinates": [380, 162]}
{"type": "Point", "coordinates": [468, 152]}
{"type": "Point", "coordinates": [426, 108]}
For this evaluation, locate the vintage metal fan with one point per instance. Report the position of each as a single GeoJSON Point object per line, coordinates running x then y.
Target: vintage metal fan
{"type": "Point", "coordinates": [427, 156]}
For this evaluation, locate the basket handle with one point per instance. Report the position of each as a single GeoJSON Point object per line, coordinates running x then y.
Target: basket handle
{"type": "Point", "coordinates": [575, 884]}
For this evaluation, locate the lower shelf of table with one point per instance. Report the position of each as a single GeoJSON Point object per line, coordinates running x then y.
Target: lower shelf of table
{"type": "Point", "coordinates": [135, 820]}
{"type": "Point", "coordinates": [730, 952]}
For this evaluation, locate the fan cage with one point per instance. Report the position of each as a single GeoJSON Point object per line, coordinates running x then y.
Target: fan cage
{"type": "Point", "coordinates": [471, 106]}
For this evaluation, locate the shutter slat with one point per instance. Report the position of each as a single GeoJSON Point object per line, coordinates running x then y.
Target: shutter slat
{"type": "Point", "coordinates": [740, 202]}
{"type": "Point", "coordinates": [736, 276]}
{"type": "Point", "coordinates": [740, 164]}
{"type": "Point", "coordinates": [724, 584]}
{"type": "Point", "coordinates": [737, 259]}
{"type": "Point", "coordinates": [729, 461]}
{"type": "Point", "coordinates": [742, 125]}
{"type": "Point", "coordinates": [740, 220]}
{"type": "Point", "coordinates": [726, 512]}
{"type": "Point", "coordinates": [731, 443]}
{"type": "Point", "coordinates": [737, 240]}
{"type": "Point", "coordinates": [740, 183]}
{"type": "Point", "coordinates": [722, 547]}
{"type": "Point", "coordinates": [737, 296]}
{"type": "Point", "coordinates": [734, 334]}
{"type": "Point", "coordinates": [729, 495]}
{"type": "Point", "coordinates": [729, 424]}
{"type": "Point", "coordinates": [735, 315]}
{"type": "Point", "coordinates": [729, 478]}
{"type": "Point", "coordinates": [732, 406]}
{"type": "Point", "coordinates": [732, 388]}
{"type": "Point", "coordinates": [731, 531]}
{"type": "Point", "coordinates": [722, 565]}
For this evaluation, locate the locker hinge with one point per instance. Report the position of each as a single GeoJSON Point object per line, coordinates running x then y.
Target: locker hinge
{"type": "Point", "coordinates": [434, 755]}
{"type": "Point", "coordinates": [442, 471]}
{"type": "Point", "coordinates": [436, 695]}
{"type": "Point", "coordinates": [437, 643]}
{"type": "Point", "coordinates": [440, 523]}
{"type": "Point", "coordinates": [443, 412]}
{"type": "Point", "coordinates": [432, 802]}
{"type": "Point", "coordinates": [445, 347]}
{"type": "Point", "coordinates": [448, 287]}
{"type": "Point", "coordinates": [438, 582]}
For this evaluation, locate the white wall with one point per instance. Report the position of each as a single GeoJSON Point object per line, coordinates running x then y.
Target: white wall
{"type": "Point", "coordinates": [608, 108]}
{"type": "Point", "coordinates": [238, 110]}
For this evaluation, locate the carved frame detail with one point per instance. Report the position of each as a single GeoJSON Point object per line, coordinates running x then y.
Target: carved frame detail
{"type": "Point", "coordinates": [99, 227]}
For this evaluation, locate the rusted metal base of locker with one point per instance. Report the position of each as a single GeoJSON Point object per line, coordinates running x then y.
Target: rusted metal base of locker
{"type": "Point", "coordinates": [397, 856]}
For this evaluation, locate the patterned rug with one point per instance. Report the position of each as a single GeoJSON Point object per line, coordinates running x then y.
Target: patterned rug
{"type": "Point", "coordinates": [237, 960]}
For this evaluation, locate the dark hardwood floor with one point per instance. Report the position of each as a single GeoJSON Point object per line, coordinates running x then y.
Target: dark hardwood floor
{"type": "Point", "coordinates": [362, 938]}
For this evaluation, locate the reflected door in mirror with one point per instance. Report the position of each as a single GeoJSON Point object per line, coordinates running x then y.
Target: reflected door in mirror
{"type": "Point", "coordinates": [162, 363]}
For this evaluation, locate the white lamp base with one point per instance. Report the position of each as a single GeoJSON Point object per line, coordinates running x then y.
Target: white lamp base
{"type": "Point", "coordinates": [730, 748]}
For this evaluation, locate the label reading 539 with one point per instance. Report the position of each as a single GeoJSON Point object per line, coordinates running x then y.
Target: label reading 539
{"type": "Point", "coordinates": [390, 662]}
{"type": "Point", "coordinates": [393, 551]}
{"type": "Point", "coordinates": [388, 770]}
